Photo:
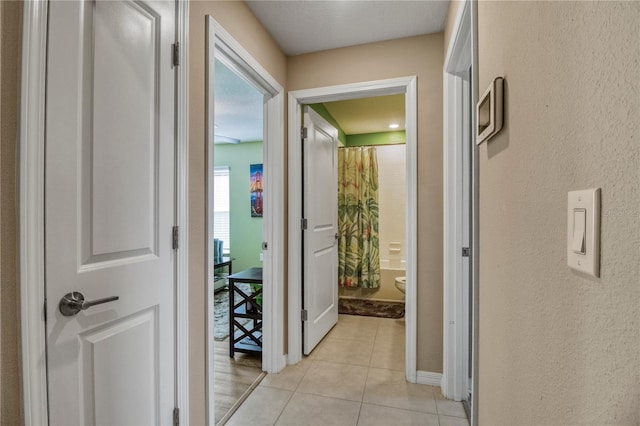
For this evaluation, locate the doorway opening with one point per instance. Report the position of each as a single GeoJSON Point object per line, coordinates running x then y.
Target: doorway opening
{"type": "Point", "coordinates": [405, 87]}
{"type": "Point", "coordinates": [237, 232]}
{"type": "Point", "coordinates": [245, 225]}
{"type": "Point", "coordinates": [371, 230]}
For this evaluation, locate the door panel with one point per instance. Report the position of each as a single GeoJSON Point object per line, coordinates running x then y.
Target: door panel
{"type": "Point", "coordinates": [121, 86]}
{"type": "Point", "coordinates": [110, 205]}
{"type": "Point", "coordinates": [125, 76]}
{"type": "Point", "coordinates": [129, 346]}
{"type": "Point", "coordinates": [320, 244]}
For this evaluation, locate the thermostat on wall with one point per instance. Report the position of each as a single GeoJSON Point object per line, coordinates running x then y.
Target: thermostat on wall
{"type": "Point", "coordinates": [489, 111]}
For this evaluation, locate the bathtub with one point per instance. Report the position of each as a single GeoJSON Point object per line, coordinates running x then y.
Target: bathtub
{"type": "Point", "coordinates": [389, 270]}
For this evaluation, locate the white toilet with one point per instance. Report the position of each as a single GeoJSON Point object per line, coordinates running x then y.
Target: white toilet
{"type": "Point", "coordinates": [401, 283]}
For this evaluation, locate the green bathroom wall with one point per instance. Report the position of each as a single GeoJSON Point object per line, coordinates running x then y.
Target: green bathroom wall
{"type": "Point", "coordinates": [382, 138]}
{"type": "Point", "coordinates": [324, 113]}
{"type": "Point", "coordinates": [246, 231]}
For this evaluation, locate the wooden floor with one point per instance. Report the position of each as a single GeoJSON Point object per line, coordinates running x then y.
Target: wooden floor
{"type": "Point", "coordinates": [233, 377]}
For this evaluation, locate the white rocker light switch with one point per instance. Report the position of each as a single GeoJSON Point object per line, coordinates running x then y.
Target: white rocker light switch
{"type": "Point", "coordinates": [583, 231]}
{"type": "Point", "coordinates": [579, 224]}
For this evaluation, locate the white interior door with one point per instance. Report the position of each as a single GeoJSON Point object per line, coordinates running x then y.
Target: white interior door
{"type": "Point", "coordinates": [320, 209]}
{"type": "Point", "coordinates": [110, 211]}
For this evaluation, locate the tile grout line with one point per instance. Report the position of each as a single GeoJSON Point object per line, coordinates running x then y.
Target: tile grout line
{"type": "Point", "coordinates": [405, 409]}
{"type": "Point", "coordinates": [312, 392]}
{"type": "Point", "coordinates": [295, 391]}
{"type": "Point", "coordinates": [373, 347]}
{"type": "Point", "coordinates": [364, 389]}
{"type": "Point", "coordinates": [359, 412]}
{"type": "Point", "coordinates": [283, 408]}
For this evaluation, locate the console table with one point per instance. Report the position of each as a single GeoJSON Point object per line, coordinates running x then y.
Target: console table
{"type": "Point", "coordinates": [245, 338]}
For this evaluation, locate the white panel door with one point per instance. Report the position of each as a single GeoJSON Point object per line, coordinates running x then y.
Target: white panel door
{"type": "Point", "coordinates": [320, 209]}
{"type": "Point", "coordinates": [110, 211]}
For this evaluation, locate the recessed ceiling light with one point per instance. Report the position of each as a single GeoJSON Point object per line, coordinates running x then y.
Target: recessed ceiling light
{"type": "Point", "coordinates": [394, 125]}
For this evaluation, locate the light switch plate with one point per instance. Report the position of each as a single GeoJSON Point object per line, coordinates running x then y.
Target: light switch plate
{"type": "Point", "coordinates": [585, 202]}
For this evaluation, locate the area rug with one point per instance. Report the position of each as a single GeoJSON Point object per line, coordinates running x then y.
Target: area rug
{"type": "Point", "coordinates": [371, 308]}
{"type": "Point", "coordinates": [221, 313]}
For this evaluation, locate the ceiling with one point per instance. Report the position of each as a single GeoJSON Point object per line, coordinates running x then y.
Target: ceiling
{"type": "Point", "coordinates": [305, 26]}
{"type": "Point", "coordinates": [238, 108]}
{"type": "Point", "coordinates": [368, 115]}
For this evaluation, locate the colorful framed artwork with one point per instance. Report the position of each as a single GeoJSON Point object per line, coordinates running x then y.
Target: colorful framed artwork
{"type": "Point", "coordinates": [255, 176]}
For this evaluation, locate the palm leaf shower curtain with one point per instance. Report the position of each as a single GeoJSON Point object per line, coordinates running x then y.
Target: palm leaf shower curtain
{"type": "Point", "coordinates": [358, 239]}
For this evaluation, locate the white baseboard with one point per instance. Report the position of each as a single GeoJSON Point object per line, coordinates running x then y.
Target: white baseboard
{"type": "Point", "coordinates": [278, 364]}
{"type": "Point", "coordinates": [292, 360]}
{"type": "Point", "coordinates": [282, 363]}
{"type": "Point", "coordinates": [428, 378]}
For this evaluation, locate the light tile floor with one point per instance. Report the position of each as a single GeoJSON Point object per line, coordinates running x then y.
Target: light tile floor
{"type": "Point", "coordinates": [354, 377]}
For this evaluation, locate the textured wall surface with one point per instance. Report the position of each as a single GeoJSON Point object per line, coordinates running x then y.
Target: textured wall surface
{"type": "Point", "coordinates": [558, 347]}
{"type": "Point", "coordinates": [423, 57]}
{"type": "Point", "coordinates": [237, 19]}
{"type": "Point", "coordinates": [10, 389]}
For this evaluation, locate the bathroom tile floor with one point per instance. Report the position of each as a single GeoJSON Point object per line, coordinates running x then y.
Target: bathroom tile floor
{"type": "Point", "coordinates": [354, 377]}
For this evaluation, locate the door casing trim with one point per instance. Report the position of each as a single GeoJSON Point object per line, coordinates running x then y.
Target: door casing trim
{"type": "Point", "coordinates": [182, 212]}
{"type": "Point", "coordinates": [220, 44]}
{"type": "Point", "coordinates": [31, 211]}
{"type": "Point", "coordinates": [402, 85]}
{"type": "Point", "coordinates": [31, 141]}
{"type": "Point", "coordinates": [460, 55]}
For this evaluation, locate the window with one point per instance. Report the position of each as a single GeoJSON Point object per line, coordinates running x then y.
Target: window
{"type": "Point", "coordinates": [221, 207]}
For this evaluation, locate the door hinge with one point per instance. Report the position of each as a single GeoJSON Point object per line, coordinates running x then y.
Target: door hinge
{"type": "Point", "coordinates": [303, 224]}
{"type": "Point", "coordinates": [175, 237]}
{"type": "Point", "coordinates": [176, 54]}
{"type": "Point", "coordinates": [264, 245]}
{"type": "Point", "coordinates": [303, 132]}
{"type": "Point", "coordinates": [44, 310]}
{"type": "Point", "coordinates": [466, 251]}
{"type": "Point", "coordinates": [304, 315]}
{"type": "Point", "coordinates": [176, 416]}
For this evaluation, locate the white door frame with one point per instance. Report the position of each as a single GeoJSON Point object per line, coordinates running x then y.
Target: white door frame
{"type": "Point", "coordinates": [221, 45]}
{"type": "Point", "coordinates": [459, 57]}
{"type": "Point", "coordinates": [403, 85]}
{"type": "Point", "coordinates": [31, 213]}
